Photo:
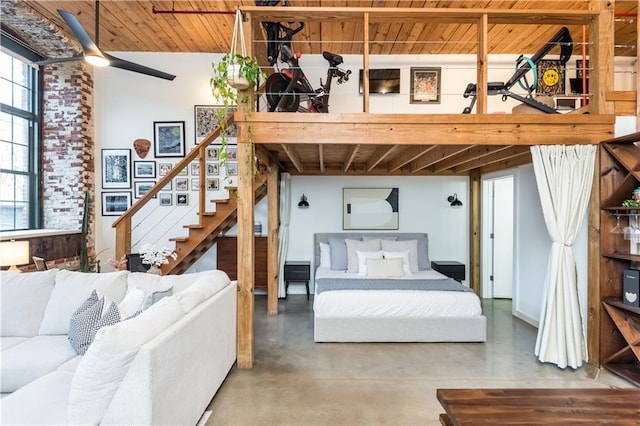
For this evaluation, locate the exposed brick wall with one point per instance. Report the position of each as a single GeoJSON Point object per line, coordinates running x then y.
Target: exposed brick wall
{"type": "Point", "coordinates": [67, 121]}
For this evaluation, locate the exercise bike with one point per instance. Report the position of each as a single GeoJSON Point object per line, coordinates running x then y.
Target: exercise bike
{"type": "Point", "coordinates": [288, 87]}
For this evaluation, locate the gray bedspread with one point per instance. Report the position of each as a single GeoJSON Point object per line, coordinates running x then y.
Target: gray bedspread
{"type": "Point", "coordinates": [333, 284]}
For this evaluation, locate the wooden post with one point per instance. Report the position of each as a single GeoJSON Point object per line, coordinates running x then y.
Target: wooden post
{"type": "Point", "coordinates": [482, 63]}
{"type": "Point", "coordinates": [123, 237]}
{"type": "Point", "coordinates": [202, 191]}
{"type": "Point", "coordinates": [365, 64]}
{"type": "Point", "coordinates": [601, 54]}
{"type": "Point", "coordinates": [246, 241]}
{"type": "Point", "coordinates": [475, 189]}
{"type": "Point", "coordinates": [593, 273]}
{"type": "Point", "coordinates": [273, 219]}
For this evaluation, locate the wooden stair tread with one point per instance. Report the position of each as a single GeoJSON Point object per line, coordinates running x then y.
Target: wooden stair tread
{"type": "Point", "coordinates": [193, 226]}
{"type": "Point", "coordinates": [179, 239]}
{"type": "Point", "coordinates": [207, 213]}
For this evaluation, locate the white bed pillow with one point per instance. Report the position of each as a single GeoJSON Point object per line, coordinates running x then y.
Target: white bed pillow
{"type": "Point", "coordinates": [353, 246]}
{"type": "Point", "coordinates": [411, 245]}
{"type": "Point", "coordinates": [380, 268]}
{"type": "Point", "coordinates": [404, 255]}
{"type": "Point", "coordinates": [362, 260]}
{"type": "Point", "coordinates": [325, 255]}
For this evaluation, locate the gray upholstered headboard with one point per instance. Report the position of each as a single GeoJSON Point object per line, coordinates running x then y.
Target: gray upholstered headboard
{"type": "Point", "coordinates": [324, 238]}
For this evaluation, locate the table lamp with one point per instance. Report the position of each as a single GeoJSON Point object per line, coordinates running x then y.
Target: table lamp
{"type": "Point", "coordinates": [14, 253]}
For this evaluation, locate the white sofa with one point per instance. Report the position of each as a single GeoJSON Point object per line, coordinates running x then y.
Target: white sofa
{"type": "Point", "coordinates": [162, 366]}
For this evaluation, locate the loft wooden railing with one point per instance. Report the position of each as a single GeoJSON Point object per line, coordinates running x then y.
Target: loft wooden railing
{"type": "Point", "coordinates": [123, 223]}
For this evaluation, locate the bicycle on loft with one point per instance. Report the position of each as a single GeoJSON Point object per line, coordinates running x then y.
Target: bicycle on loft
{"type": "Point", "coordinates": [288, 87]}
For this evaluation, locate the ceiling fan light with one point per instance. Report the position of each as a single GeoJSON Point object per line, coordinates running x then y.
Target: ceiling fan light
{"type": "Point", "coordinates": [96, 59]}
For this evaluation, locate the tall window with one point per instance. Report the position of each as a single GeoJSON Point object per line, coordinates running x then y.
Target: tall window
{"type": "Point", "coordinates": [19, 186]}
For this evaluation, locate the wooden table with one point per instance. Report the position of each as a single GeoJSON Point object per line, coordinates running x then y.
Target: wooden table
{"type": "Point", "coordinates": [540, 406]}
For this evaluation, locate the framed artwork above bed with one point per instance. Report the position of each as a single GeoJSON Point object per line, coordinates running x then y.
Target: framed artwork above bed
{"type": "Point", "coordinates": [370, 208]}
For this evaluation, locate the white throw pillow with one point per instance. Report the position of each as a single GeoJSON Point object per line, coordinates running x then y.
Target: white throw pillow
{"type": "Point", "coordinates": [363, 256]}
{"type": "Point", "coordinates": [105, 364]}
{"type": "Point", "coordinates": [73, 288]}
{"type": "Point", "coordinates": [404, 255]}
{"type": "Point", "coordinates": [23, 302]}
{"type": "Point", "coordinates": [151, 282]}
{"type": "Point", "coordinates": [132, 302]}
{"type": "Point", "coordinates": [381, 268]}
{"type": "Point", "coordinates": [355, 245]}
{"type": "Point", "coordinates": [325, 255]}
{"type": "Point", "coordinates": [411, 245]}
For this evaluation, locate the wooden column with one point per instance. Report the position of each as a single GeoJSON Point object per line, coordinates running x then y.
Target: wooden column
{"type": "Point", "coordinates": [123, 237]}
{"type": "Point", "coordinates": [273, 219]}
{"type": "Point", "coordinates": [246, 243]}
{"type": "Point", "coordinates": [475, 197]}
{"type": "Point", "coordinates": [365, 64]}
{"type": "Point", "coordinates": [482, 63]}
{"type": "Point", "coordinates": [601, 51]}
{"type": "Point", "coordinates": [593, 273]}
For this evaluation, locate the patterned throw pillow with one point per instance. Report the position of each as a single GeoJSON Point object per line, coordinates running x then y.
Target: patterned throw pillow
{"type": "Point", "coordinates": [110, 317]}
{"type": "Point", "coordinates": [82, 322]}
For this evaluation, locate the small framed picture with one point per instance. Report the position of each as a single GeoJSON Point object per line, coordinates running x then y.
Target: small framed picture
{"type": "Point", "coordinates": [115, 203]}
{"type": "Point", "coordinates": [213, 169]}
{"type": "Point", "coordinates": [165, 199]}
{"type": "Point", "coordinates": [213, 154]}
{"type": "Point", "coordinates": [144, 169]}
{"type": "Point", "coordinates": [164, 168]}
{"type": "Point", "coordinates": [195, 168]}
{"type": "Point", "coordinates": [231, 154]}
{"type": "Point", "coordinates": [168, 138]}
{"type": "Point", "coordinates": [183, 172]}
{"type": "Point", "coordinates": [195, 184]}
{"type": "Point", "coordinates": [182, 184]}
{"type": "Point", "coordinates": [167, 187]}
{"type": "Point", "coordinates": [425, 85]}
{"type": "Point", "coordinates": [212, 184]}
{"type": "Point", "coordinates": [232, 169]}
{"type": "Point", "coordinates": [116, 168]}
{"type": "Point", "coordinates": [142, 187]}
{"type": "Point", "coordinates": [182, 199]}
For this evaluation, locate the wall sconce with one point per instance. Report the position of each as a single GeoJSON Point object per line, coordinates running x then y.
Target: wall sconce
{"type": "Point", "coordinates": [303, 204]}
{"type": "Point", "coordinates": [453, 199]}
{"type": "Point", "coordinates": [14, 253]}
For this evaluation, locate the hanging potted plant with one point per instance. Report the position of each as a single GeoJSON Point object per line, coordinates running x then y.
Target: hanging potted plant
{"type": "Point", "coordinates": [235, 71]}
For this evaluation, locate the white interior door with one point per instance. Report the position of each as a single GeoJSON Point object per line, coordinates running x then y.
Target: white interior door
{"type": "Point", "coordinates": [503, 238]}
{"type": "Point", "coordinates": [497, 237]}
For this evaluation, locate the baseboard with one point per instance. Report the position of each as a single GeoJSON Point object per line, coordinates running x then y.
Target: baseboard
{"type": "Point", "coordinates": [526, 318]}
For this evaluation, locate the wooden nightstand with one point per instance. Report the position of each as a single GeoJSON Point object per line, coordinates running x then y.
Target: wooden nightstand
{"type": "Point", "coordinates": [450, 268]}
{"type": "Point", "coordinates": [296, 271]}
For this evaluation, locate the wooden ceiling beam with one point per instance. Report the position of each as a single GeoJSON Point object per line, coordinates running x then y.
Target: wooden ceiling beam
{"type": "Point", "coordinates": [446, 129]}
{"type": "Point", "coordinates": [502, 155]}
{"type": "Point", "coordinates": [295, 160]}
{"type": "Point", "coordinates": [408, 155]}
{"type": "Point", "coordinates": [519, 160]}
{"type": "Point", "coordinates": [466, 156]}
{"type": "Point", "coordinates": [439, 153]}
{"type": "Point", "coordinates": [353, 150]}
{"type": "Point", "coordinates": [380, 154]}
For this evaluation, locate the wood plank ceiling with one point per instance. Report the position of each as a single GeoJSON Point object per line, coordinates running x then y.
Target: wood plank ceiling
{"type": "Point", "coordinates": [138, 26]}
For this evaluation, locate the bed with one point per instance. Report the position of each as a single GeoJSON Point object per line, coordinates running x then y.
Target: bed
{"type": "Point", "coordinates": [362, 304]}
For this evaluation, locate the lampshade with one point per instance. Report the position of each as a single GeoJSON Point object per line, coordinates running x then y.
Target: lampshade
{"type": "Point", "coordinates": [14, 253]}
{"type": "Point", "coordinates": [303, 204]}
{"type": "Point", "coordinates": [96, 58]}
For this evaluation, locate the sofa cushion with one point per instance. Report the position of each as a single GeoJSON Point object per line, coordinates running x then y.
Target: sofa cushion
{"type": "Point", "coordinates": [8, 342]}
{"type": "Point", "coordinates": [151, 283]}
{"type": "Point", "coordinates": [41, 402]}
{"type": "Point", "coordinates": [202, 289]}
{"type": "Point", "coordinates": [23, 301]}
{"type": "Point", "coordinates": [71, 365]}
{"type": "Point", "coordinates": [105, 364]}
{"type": "Point", "coordinates": [24, 363]}
{"type": "Point", "coordinates": [71, 289]}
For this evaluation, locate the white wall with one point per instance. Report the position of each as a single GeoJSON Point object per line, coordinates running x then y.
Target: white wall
{"type": "Point", "coordinates": [423, 207]}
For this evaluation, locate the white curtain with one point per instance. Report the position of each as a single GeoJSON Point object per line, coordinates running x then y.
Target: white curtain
{"type": "Point", "coordinates": [564, 175]}
{"type": "Point", "coordinates": [285, 214]}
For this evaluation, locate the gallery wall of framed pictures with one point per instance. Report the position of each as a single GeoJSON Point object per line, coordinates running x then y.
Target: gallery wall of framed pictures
{"type": "Point", "coordinates": [129, 174]}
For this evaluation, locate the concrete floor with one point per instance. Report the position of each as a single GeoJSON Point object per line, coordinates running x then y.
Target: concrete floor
{"type": "Point", "coordinates": [298, 382]}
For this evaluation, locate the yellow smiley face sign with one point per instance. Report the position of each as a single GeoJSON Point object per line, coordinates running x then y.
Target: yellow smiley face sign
{"type": "Point", "coordinates": [550, 77]}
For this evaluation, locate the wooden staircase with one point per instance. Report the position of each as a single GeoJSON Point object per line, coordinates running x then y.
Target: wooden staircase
{"type": "Point", "coordinates": [212, 225]}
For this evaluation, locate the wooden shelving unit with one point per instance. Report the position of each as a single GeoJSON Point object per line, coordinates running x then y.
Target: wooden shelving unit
{"type": "Point", "coordinates": [619, 323]}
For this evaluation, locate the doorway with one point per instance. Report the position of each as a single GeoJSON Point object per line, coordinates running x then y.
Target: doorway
{"type": "Point", "coordinates": [497, 237]}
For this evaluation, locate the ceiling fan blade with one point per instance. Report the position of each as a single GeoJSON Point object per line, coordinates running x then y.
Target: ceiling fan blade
{"type": "Point", "coordinates": [131, 66]}
{"type": "Point", "coordinates": [45, 62]}
{"type": "Point", "coordinates": [76, 28]}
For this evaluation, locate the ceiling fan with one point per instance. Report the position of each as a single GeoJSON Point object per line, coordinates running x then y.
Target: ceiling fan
{"type": "Point", "coordinates": [92, 53]}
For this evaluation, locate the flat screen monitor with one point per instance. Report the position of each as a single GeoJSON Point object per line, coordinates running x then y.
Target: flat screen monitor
{"type": "Point", "coordinates": [576, 85]}
{"type": "Point", "coordinates": [382, 80]}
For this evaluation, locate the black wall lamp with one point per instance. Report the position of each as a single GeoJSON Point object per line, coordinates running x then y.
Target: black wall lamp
{"type": "Point", "coordinates": [303, 204]}
{"type": "Point", "coordinates": [453, 199]}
